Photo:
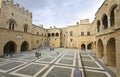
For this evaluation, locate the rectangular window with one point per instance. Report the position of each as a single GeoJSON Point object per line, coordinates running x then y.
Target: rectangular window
{"type": "Point", "coordinates": [82, 33]}
{"type": "Point", "coordinates": [71, 40]}
{"type": "Point", "coordinates": [88, 33]}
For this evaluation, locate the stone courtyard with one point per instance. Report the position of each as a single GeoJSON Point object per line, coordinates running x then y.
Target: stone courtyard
{"type": "Point", "coordinates": [61, 62]}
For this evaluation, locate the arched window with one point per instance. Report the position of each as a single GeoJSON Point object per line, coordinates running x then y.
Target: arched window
{"type": "Point", "coordinates": [112, 16]}
{"type": "Point", "coordinates": [53, 34]}
{"type": "Point", "coordinates": [98, 25]}
{"type": "Point", "coordinates": [11, 25]}
{"type": "Point", "coordinates": [57, 34]}
{"type": "Point", "coordinates": [71, 33]}
{"type": "Point", "coordinates": [37, 33]}
{"type": "Point", "coordinates": [105, 21]}
{"type": "Point", "coordinates": [25, 28]}
{"type": "Point", "coordinates": [48, 34]}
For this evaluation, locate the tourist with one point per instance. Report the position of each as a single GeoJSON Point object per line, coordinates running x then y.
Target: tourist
{"type": "Point", "coordinates": [11, 54]}
{"type": "Point", "coordinates": [40, 55]}
{"type": "Point", "coordinates": [36, 54]}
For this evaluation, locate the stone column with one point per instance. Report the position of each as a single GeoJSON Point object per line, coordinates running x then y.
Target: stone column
{"type": "Point", "coordinates": [118, 56]}
{"type": "Point", "coordinates": [18, 50]}
{"type": "Point", "coordinates": [108, 22]}
{"type": "Point", "coordinates": [86, 46]}
{"type": "Point", "coordinates": [117, 16]}
{"type": "Point", "coordinates": [105, 54]}
{"type": "Point", "coordinates": [101, 26]}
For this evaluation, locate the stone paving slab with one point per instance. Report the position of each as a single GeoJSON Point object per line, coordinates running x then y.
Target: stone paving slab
{"type": "Point", "coordinates": [93, 73]}
{"type": "Point", "coordinates": [86, 58]}
{"type": "Point", "coordinates": [30, 58]}
{"type": "Point", "coordinates": [10, 66]}
{"type": "Point", "coordinates": [58, 63]}
{"type": "Point", "coordinates": [17, 56]}
{"type": "Point", "coordinates": [92, 65]}
{"type": "Point", "coordinates": [30, 70]}
{"type": "Point", "coordinates": [1, 60]}
{"type": "Point", "coordinates": [66, 61]}
{"type": "Point", "coordinates": [47, 59]}
{"type": "Point", "coordinates": [7, 75]}
{"type": "Point", "coordinates": [57, 71]}
{"type": "Point", "coordinates": [69, 56]}
{"type": "Point", "coordinates": [55, 54]}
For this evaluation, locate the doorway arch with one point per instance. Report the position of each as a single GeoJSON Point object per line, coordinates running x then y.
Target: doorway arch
{"type": "Point", "coordinates": [24, 46]}
{"type": "Point", "coordinates": [100, 51]}
{"type": "Point", "coordinates": [89, 46]}
{"type": "Point", "coordinates": [10, 47]}
{"type": "Point", "coordinates": [83, 47]}
{"type": "Point", "coordinates": [111, 52]}
{"type": "Point", "coordinates": [112, 15]}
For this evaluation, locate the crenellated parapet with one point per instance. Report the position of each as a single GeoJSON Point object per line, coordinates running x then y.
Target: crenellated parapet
{"type": "Point", "coordinates": [17, 6]}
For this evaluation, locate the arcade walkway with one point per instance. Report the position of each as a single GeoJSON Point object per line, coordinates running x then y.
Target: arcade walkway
{"type": "Point", "coordinates": [58, 63]}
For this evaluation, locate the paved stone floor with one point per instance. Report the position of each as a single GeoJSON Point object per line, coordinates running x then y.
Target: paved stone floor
{"type": "Point", "coordinates": [58, 63]}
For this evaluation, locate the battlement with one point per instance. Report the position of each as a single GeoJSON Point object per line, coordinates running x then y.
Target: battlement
{"type": "Point", "coordinates": [17, 6]}
{"type": "Point", "coordinates": [84, 21]}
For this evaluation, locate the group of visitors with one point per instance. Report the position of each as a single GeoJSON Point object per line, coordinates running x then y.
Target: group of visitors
{"type": "Point", "coordinates": [51, 49]}
{"type": "Point", "coordinates": [7, 53]}
{"type": "Point", "coordinates": [37, 55]}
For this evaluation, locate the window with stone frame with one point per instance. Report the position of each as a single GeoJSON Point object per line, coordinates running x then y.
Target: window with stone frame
{"type": "Point", "coordinates": [11, 25]}
{"type": "Point", "coordinates": [82, 33]}
{"type": "Point", "coordinates": [88, 33]}
{"type": "Point", "coordinates": [71, 33]}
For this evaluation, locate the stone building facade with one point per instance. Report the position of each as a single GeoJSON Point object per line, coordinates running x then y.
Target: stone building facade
{"type": "Point", "coordinates": [107, 25]}
{"type": "Point", "coordinates": [18, 34]}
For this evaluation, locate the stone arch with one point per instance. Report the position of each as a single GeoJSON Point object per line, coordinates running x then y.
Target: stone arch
{"type": "Point", "coordinates": [48, 34]}
{"type": "Point", "coordinates": [71, 33]}
{"type": "Point", "coordinates": [111, 52]}
{"type": "Point", "coordinates": [53, 34]}
{"type": "Point", "coordinates": [57, 34]}
{"type": "Point", "coordinates": [10, 47]}
{"type": "Point", "coordinates": [105, 21]}
{"type": "Point", "coordinates": [26, 28]}
{"type": "Point", "coordinates": [98, 25]}
{"type": "Point", "coordinates": [89, 46]}
{"type": "Point", "coordinates": [112, 14]}
{"type": "Point", "coordinates": [11, 24]}
{"type": "Point", "coordinates": [24, 46]}
{"type": "Point", "coordinates": [94, 46]}
{"type": "Point", "coordinates": [83, 46]}
{"type": "Point", "coordinates": [100, 49]}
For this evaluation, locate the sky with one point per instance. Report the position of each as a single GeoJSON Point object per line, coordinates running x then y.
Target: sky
{"type": "Point", "coordinates": [61, 13]}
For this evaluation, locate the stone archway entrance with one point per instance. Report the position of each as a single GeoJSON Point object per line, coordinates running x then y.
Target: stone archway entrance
{"type": "Point", "coordinates": [83, 47]}
{"type": "Point", "coordinates": [100, 49]}
{"type": "Point", "coordinates": [111, 52]}
{"type": "Point", "coordinates": [89, 46]}
{"type": "Point", "coordinates": [10, 47]}
{"type": "Point", "coordinates": [24, 46]}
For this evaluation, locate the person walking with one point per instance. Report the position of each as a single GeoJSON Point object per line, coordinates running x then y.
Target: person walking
{"type": "Point", "coordinates": [40, 55]}
{"type": "Point", "coordinates": [36, 55]}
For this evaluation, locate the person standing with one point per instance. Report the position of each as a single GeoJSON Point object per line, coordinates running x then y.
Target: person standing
{"type": "Point", "coordinates": [40, 55]}
{"type": "Point", "coordinates": [36, 54]}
